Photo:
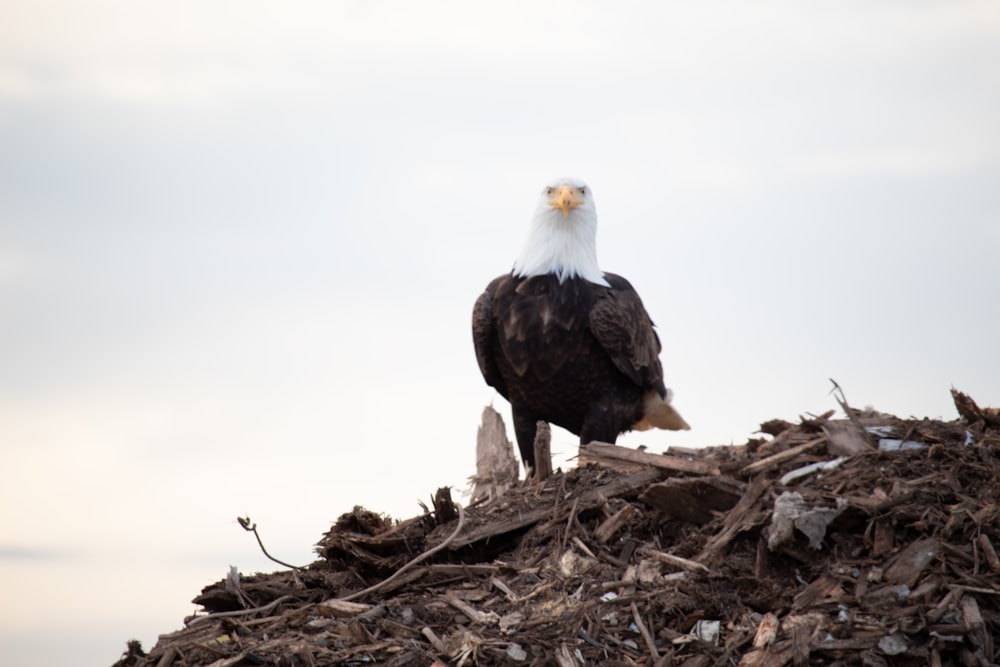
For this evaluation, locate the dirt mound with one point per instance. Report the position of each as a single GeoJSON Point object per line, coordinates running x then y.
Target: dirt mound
{"type": "Point", "coordinates": [869, 540]}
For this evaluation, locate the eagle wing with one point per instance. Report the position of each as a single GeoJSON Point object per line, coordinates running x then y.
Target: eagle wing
{"type": "Point", "coordinates": [623, 328]}
{"type": "Point", "coordinates": [484, 335]}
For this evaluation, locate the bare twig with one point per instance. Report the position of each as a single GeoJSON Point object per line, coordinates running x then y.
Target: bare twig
{"type": "Point", "coordinates": [473, 614]}
{"type": "Point", "coordinates": [569, 525]}
{"type": "Point", "coordinates": [644, 631]}
{"type": "Point", "coordinates": [252, 527]}
{"type": "Point", "coordinates": [434, 640]}
{"type": "Point", "coordinates": [418, 559]}
{"type": "Point", "coordinates": [677, 561]}
{"type": "Point", "coordinates": [775, 459]}
{"type": "Point", "coordinates": [583, 547]}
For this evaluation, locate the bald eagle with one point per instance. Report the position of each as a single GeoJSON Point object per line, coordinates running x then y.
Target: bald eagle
{"type": "Point", "coordinates": [565, 342]}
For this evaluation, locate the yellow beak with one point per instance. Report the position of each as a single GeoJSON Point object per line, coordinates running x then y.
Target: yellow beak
{"type": "Point", "coordinates": [565, 199]}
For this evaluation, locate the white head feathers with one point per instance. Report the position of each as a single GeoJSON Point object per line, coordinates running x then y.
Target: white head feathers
{"type": "Point", "coordinates": [562, 238]}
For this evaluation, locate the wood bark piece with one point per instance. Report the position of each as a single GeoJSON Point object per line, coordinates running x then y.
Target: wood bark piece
{"type": "Point", "coordinates": [976, 628]}
{"type": "Point", "coordinates": [766, 631]}
{"type": "Point", "coordinates": [614, 523]}
{"type": "Point", "coordinates": [910, 563]}
{"type": "Point", "coordinates": [884, 538]}
{"type": "Point", "coordinates": [823, 589]}
{"type": "Point", "coordinates": [745, 515]}
{"type": "Point", "coordinates": [694, 499]}
{"type": "Point", "coordinates": [972, 412]}
{"type": "Point", "coordinates": [609, 455]}
{"type": "Point", "coordinates": [543, 451]}
{"type": "Point", "coordinates": [989, 553]}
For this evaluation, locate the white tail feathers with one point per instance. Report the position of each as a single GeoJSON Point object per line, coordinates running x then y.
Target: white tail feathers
{"type": "Point", "coordinates": [657, 412]}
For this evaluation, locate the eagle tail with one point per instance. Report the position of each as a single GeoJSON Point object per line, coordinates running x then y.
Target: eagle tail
{"type": "Point", "coordinates": [657, 412]}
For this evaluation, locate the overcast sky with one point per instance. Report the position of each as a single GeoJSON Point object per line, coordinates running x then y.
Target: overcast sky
{"type": "Point", "coordinates": [240, 243]}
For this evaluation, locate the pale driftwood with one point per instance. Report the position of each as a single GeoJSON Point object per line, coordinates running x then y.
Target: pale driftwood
{"type": "Point", "coordinates": [781, 457]}
{"type": "Point", "coordinates": [496, 464]}
{"type": "Point", "coordinates": [543, 451]}
{"type": "Point", "coordinates": [605, 454]}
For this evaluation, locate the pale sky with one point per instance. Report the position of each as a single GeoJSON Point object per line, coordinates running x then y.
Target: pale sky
{"type": "Point", "coordinates": [240, 243]}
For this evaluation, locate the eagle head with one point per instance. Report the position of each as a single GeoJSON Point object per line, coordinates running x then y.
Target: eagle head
{"type": "Point", "coordinates": [562, 239]}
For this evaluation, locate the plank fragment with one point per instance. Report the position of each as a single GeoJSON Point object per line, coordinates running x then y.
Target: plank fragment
{"type": "Point", "coordinates": [605, 454]}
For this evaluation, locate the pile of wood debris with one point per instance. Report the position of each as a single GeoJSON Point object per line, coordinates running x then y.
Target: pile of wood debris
{"type": "Point", "coordinates": [869, 540]}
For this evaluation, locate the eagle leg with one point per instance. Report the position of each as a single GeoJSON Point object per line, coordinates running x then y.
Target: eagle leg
{"type": "Point", "coordinates": [525, 425]}
{"type": "Point", "coordinates": [600, 426]}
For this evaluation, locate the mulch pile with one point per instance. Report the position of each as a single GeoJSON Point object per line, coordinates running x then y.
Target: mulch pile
{"type": "Point", "coordinates": [870, 540]}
